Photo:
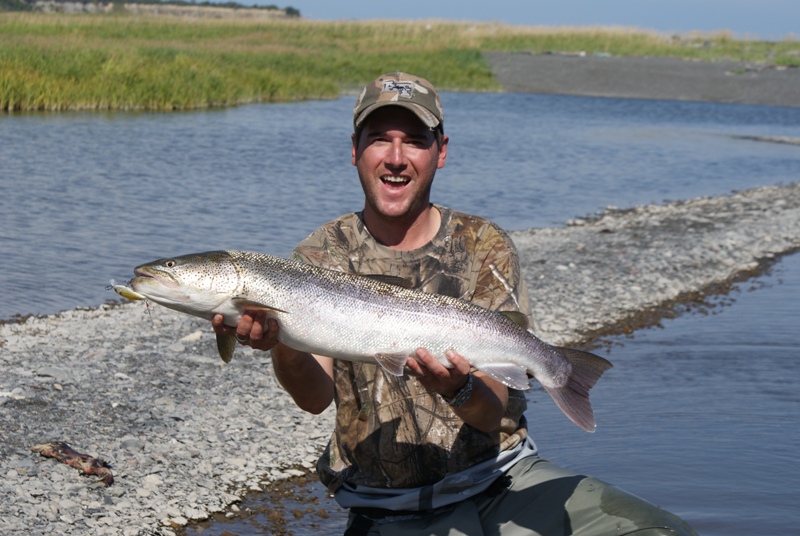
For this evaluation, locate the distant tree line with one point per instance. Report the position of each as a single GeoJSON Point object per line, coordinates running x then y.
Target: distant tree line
{"type": "Point", "coordinates": [15, 5]}
{"type": "Point", "coordinates": [29, 5]}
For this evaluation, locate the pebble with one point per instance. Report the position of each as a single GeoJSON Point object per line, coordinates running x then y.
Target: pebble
{"type": "Point", "coordinates": [188, 436]}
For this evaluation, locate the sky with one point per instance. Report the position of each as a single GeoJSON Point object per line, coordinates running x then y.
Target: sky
{"type": "Point", "coordinates": [747, 19]}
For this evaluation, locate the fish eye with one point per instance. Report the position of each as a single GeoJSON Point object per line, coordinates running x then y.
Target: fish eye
{"type": "Point", "coordinates": [170, 263]}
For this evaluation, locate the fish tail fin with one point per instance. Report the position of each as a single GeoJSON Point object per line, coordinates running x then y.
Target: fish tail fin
{"type": "Point", "coordinates": [573, 397]}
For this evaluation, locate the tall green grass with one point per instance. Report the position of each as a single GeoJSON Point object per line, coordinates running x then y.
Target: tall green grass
{"type": "Point", "coordinates": [60, 62]}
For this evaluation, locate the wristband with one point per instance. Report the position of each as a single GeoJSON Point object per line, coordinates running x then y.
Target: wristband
{"type": "Point", "coordinates": [461, 396]}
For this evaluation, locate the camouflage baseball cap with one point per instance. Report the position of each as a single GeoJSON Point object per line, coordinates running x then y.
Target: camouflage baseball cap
{"type": "Point", "coordinates": [400, 89]}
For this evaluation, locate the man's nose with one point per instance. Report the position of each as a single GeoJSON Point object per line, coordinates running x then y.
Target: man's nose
{"type": "Point", "coordinates": [396, 155]}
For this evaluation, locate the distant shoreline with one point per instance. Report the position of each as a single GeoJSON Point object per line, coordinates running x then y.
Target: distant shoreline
{"type": "Point", "coordinates": [209, 11]}
{"type": "Point", "coordinates": [646, 78]}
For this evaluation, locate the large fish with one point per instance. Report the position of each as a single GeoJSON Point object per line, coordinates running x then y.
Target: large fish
{"type": "Point", "coordinates": [362, 318]}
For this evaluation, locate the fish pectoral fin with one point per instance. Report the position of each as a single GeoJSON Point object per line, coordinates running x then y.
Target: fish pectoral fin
{"type": "Point", "coordinates": [225, 346]}
{"type": "Point", "coordinates": [509, 374]}
{"type": "Point", "coordinates": [392, 363]}
{"type": "Point", "coordinates": [246, 304]}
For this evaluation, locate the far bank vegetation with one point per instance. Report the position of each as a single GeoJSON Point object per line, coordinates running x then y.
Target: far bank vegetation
{"type": "Point", "coordinates": [122, 60]}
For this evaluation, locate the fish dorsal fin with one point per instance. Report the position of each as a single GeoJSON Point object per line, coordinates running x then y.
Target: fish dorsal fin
{"type": "Point", "coordinates": [225, 346]}
{"type": "Point", "coordinates": [392, 363]}
{"type": "Point", "coordinates": [395, 281]}
{"type": "Point", "coordinates": [246, 303]}
{"type": "Point", "coordinates": [520, 319]}
{"type": "Point", "coordinates": [508, 374]}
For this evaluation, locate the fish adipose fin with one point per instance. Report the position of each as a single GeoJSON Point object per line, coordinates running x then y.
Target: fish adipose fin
{"type": "Point", "coordinates": [508, 374]}
{"type": "Point", "coordinates": [573, 398]}
{"type": "Point", "coordinates": [246, 304]}
{"type": "Point", "coordinates": [225, 346]}
{"type": "Point", "coordinates": [392, 363]}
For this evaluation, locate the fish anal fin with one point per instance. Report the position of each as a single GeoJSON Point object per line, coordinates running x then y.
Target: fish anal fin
{"type": "Point", "coordinates": [520, 319]}
{"type": "Point", "coordinates": [392, 363]}
{"type": "Point", "coordinates": [225, 346]}
{"type": "Point", "coordinates": [509, 374]}
{"type": "Point", "coordinates": [573, 397]}
{"type": "Point", "coordinates": [248, 304]}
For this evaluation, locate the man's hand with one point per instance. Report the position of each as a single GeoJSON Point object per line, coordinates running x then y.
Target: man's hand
{"type": "Point", "coordinates": [307, 378]}
{"type": "Point", "coordinates": [253, 330]}
{"type": "Point", "coordinates": [485, 407]}
{"type": "Point", "coordinates": [435, 377]}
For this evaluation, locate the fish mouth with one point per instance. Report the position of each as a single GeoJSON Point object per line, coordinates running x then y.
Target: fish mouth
{"type": "Point", "coordinates": [145, 276]}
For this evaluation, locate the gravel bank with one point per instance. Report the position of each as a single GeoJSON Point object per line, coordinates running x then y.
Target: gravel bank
{"type": "Point", "coordinates": [187, 436]}
{"type": "Point", "coordinates": [646, 78]}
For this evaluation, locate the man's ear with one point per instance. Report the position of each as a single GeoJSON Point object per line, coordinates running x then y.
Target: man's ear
{"type": "Point", "coordinates": [442, 152]}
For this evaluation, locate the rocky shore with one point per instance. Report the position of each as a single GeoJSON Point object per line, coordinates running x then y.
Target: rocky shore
{"type": "Point", "coordinates": [187, 436]}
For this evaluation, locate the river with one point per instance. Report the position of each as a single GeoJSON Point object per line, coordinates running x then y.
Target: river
{"type": "Point", "coordinates": [85, 197]}
{"type": "Point", "coordinates": [700, 417]}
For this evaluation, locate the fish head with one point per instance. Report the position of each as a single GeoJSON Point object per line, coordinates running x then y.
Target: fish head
{"type": "Point", "coordinates": [199, 284]}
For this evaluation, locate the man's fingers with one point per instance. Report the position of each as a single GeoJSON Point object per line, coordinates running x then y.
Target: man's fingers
{"type": "Point", "coordinates": [272, 327]}
{"type": "Point", "coordinates": [414, 367]}
{"type": "Point", "coordinates": [244, 327]}
{"type": "Point", "coordinates": [459, 363]}
{"type": "Point", "coordinates": [259, 318]}
{"type": "Point", "coordinates": [217, 323]}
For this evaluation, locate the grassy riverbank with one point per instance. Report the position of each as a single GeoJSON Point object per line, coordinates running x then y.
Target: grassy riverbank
{"type": "Point", "coordinates": [62, 62]}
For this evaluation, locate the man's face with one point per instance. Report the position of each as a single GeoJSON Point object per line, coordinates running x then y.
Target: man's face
{"type": "Point", "coordinates": [397, 157]}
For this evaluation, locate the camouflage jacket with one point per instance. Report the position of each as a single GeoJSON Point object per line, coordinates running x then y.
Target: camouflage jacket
{"type": "Point", "coordinates": [390, 432]}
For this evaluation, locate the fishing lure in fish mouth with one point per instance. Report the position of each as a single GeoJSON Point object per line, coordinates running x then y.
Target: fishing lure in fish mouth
{"type": "Point", "coordinates": [129, 293]}
{"type": "Point", "coordinates": [126, 292]}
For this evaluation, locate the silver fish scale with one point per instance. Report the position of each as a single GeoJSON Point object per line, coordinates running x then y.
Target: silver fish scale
{"type": "Point", "coordinates": [356, 318]}
{"type": "Point", "coordinates": [323, 307]}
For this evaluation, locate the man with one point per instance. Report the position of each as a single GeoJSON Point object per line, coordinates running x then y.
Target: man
{"type": "Point", "coordinates": [438, 450]}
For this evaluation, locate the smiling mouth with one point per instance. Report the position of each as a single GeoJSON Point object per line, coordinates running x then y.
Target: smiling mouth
{"type": "Point", "coordinates": [395, 181]}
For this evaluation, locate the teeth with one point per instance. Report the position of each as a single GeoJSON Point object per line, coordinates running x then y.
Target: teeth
{"type": "Point", "coordinates": [398, 180]}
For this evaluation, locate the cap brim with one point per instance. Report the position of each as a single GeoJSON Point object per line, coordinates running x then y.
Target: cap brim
{"type": "Point", "coordinates": [424, 115]}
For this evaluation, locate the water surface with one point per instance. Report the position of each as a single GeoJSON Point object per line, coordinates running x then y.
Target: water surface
{"type": "Point", "coordinates": [701, 417]}
{"type": "Point", "coordinates": [85, 197]}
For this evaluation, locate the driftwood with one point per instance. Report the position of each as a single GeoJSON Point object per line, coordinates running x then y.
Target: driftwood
{"type": "Point", "coordinates": [82, 462]}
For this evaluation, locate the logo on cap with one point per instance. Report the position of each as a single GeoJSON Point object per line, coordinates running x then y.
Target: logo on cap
{"type": "Point", "coordinates": [403, 89]}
